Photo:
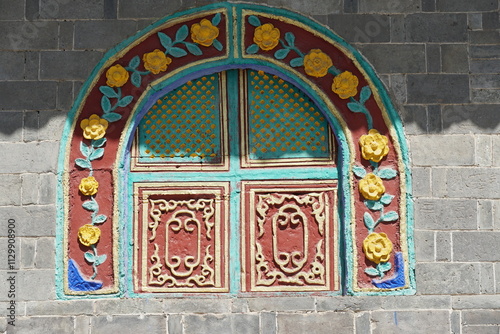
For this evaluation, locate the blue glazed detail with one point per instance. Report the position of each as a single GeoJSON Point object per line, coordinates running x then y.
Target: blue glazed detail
{"type": "Point", "coordinates": [396, 281]}
{"type": "Point", "coordinates": [77, 283]}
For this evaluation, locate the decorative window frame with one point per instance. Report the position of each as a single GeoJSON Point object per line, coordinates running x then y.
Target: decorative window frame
{"type": "Point", "coordinates": [375, 206]}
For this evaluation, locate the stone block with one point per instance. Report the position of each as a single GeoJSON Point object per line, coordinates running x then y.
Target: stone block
{"type": "Point", "coordinates": [438, 182]}
{"type": "Point", "coordinates": [68, 65]}
{"type": "Point", "coordinates": [497, 274]}
{"type": "Point", "coordinates": [396, 303]}
{"type": "Point", "coordinates": [33, 285]}
{"type": "Point", "coordinates": [26, 35]}
{"type": "Point", "coordinates": [11, 126]}
{"type": "Point", "coordinates": [19, 158]}
{"type": "Point", "coordinates": [465, 5]}
{"type": "Point", "coordinates": [121, 306]}
{"type": "Point", "coordinates": [491, 20]}
{"type": "Point", "coordinates": [30, 189]}
{"type": "Point", "coordinates": [28, 253]}
{"type": "Point", "coordinates": [66, 35]}
{"type": "Point", "coordinates": [74, 9]}
{"type": "Point", "coordinates": [438, 88]}
{"type": "Point", "coordinates": [363, 323]}
{"type": "Point", "coordinates": [487, 278]}
{"type": "Point", "coordinates": [318, 323]}
{"type": "Point", "coordinates": [414, 119]}
{"type": "Point", "coordinates": [82, 325]}
{"type": "Point", "coordinates": [361, 28]}
{"type": "Point", "coordinates": [433, 52]}
{"type": "Point", "coordinates": [473, 182]}
{"type": "Point", "coordinates": [30, 126]}
{"type": "Point", "coordinates": [495, 142]}
{"type": "Point", "coordinates": [12, 64]}
{"type": "Point", "coordinates": [128, 324]}
{"type": "Point", "coordinates": [446, 214]}
{"type": "Point", "coordinates": [428, 5]}
{"type": "Point", "coordinates": [475, 21]}
{"type": "Point", "coordinates": [436, 28]}
{"type": "Point", "coordinates": [454, 58]}
{"type": "Point", "coordinates": [351, 6]}
{"type": "Point", "coordinates": [448, 278]}
{"type": "Point", "coordinates": [28, 220]}
{"type": "Point", "coordinates": [402, 6]}
{"type": "Point", "coordinates": [221, 323]}
{"type": "Point", "coordinates": [197, 305]}
{"type": "Point", "coordinates": [397, 29]}
{"type": "Point", "coordinates": [485, 95]}
{"type": "Point", "coordinates": [395, 58]}
{"type": "Point", "coordinates": [397, 87]}
{"type": "Point", "coordinates": [10, 190]}
{"type": "Point", "coordinates": [424, 246]}
{"type": "Point", "coordinates": [92, 35]}
{"type": "Point", "coordinates": [5, 265]}
{"type": "Point", "coordinates": [45, 250]}
{"type": "Point", "coordinates": [471, 118]}
{"type": "Point", "coordinates": [485, 215]}
{"type": "Point", "coordinates": [434, 120]}
{"type": "Point", "coordinates": [443, 246]}
{"type": "Point", "coordinates": [315, 7]}
{"type": "Point", "coordinates": [32, 66]}
{"type": "Point", "coordinates": [475, 246]}
{"type": "Point", "coordinates": [484, 51]}
{"type": "Point", "coordinates": [175, 323]}
{"type": "Point", "coordinates": [268, 323]}
{"type": "Point", "coordinates": [11, 10]}
{"type": "Point", "coordinates": [281, 304]}
{"type": "Point", "coordinates": [239, 305]}
{"type": "Point", "coordinates": [347, 303]}
{"type": "Point", "coordinates": [484, 37]}
{"type": "Point", "coordinates": [410, 322]}
{"type": "Point", "coordinates": [438, 150]}
{"type": "Point", "coordinates": [485, 66]}
{"type": "Point", "coordinates": [485, 81]}
{"type": "Point", "coordinates": [37, 325]}
{"type": "Point", "coordinates": [481, 317]}
{"type": "Point", "coordinates": [455, 322]}
{"type": "Point", "coordinates": [147, 8]}
{"type": "Point", "coordinates": [64, 98]}
{"type": "Point", "coordinates": [480, 330]}
{"type": "Point", "coordinates": [48, 188]}
{"type": "Point", "coordinates": [27, 95]}
{"type": "Point", "coordinates": [59, 307]}
{"type": "Point", "coordinates": [51, 124]}
{"type": "Point", "coordinates": [483, 150]}
{"type": "Point", "coordinates": [421, 177]}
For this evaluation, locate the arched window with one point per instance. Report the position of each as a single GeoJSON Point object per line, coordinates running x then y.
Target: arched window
{"type": "Point", "coordinates": [204, 156]}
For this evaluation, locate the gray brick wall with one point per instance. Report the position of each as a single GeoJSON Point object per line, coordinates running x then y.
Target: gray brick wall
{"type": "Point", "coordinates": [440, 60]}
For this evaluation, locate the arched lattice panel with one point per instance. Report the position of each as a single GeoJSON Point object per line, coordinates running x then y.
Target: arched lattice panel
{"type": "Point", "coordinates": [373, 201]}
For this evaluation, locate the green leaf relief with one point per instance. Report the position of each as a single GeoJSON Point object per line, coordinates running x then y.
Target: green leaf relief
{"type": "Point", "coordinates": [365, 94]}
{"type": "Point", "coordinates": [216, 19]}
{"type": "Point", "coordinates": [165, 41]}
{"type": "Point", "coordinates": [177, 52]}
{"type": "Point", "coordinates": [91, 205]}
{"type": "Point", "coordinates": [105, 104]}
{"type": "Point", "coordinates": [384, 267]}
{"type": "Point", "coordinates": [136, 79]}
{"type": "Point", "coordinates": [254, 20]}
{"type": "Point", "coordinates": [99, 219]}
{"type": "Point", "coordinates": [89, 257]}
{"type": "Point", "coordinates": [387, 173]}
{"type": "Point", "coordinates": [98, 142]}
{"type": "Point", "coordinates": [100, 259]}
{"type": "Point", "coordinates": [85, 164]}
{"type": "Point", "coordinates": [355, 107]}
{"type": "Point", "coordinates": [369, 222]}
{"type": "Point", "coordinates": [96, 154]}
{"type": "Point", "coordinates": [390, 216]}
{"type": "Point", "coordinates": [112, 117]}
{"type": "Point", "coordinates": [194, 49]}
{"type": "Point", "coordinates": [386, 199]}
{"type": "Point", "coordinates": [108, 91]}
{"type": "Point", "coordinates": [359, 171]}
{"type": "Point", "coordinates": [371, 272]}
{"type": "Point", "coordinates": [217, 45]}
{"type": "Point", "coordinates": [125, 101]}
{"type": "Point", "coordinates": [297, 62]}
{"type": "Point", "coordinates": [84, 149]}
{"type": "Point", "coordinates": [182, 33]}
{"type": "Point", "coordinates": [290, 38]}
{"type": "Point", "coordinates": [134, 62]}
{"type": "Point", "coordinates": [252, 49]}
{"type": "Point", "coordinates": [281, 54]}
{"type": "Point", "coordinates": [374, 205]}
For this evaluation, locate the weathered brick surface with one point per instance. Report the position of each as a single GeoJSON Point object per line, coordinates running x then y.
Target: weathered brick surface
{"type": "Point", "coordinates": [411, 322]}
{"type": "Point", "coordinates": [128, 324]}
{"type": "Point", "coordinates": [92, 35]}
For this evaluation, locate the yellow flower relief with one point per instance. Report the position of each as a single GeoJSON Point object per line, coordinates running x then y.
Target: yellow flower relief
{"type": "Point", "coordinates": [88, 186]}
{"type": "Point", "coordinates": [89, 235]}
{"type": "Point", "coordinates": [204, 32]}
{"type": "Point", "coordinates": [374, 146]}
{"type": "Point", "coordinates": [266, 36]}
{"type": "Point", "coordinates": [317, 63]}
{"type": "Point", "coordinates": [371, 187]}
{"type": "Point", "coordinates": [345, 85]}
{"type": "Point", "coordinates": [156, 61]}
{"type": "Point", "coordinates": [117, 76]}
{"type": "Point", "coordinates": [94, 127]}
{"type": "Point", "coordinates": [377, 247]}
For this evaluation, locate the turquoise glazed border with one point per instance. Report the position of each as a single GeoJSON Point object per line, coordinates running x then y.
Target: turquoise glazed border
{"type": "Point", "coordinates": [208, 67]}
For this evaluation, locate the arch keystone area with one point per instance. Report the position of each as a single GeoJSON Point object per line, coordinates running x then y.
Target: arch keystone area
{"type": "Point", "coordinates": [374, 197]}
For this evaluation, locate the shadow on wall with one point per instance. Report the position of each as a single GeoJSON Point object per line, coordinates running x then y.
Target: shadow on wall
{"type": "Point", "coordinates": [430, 96]}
